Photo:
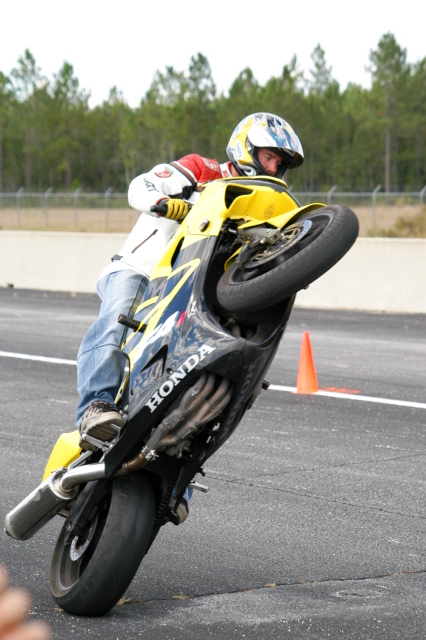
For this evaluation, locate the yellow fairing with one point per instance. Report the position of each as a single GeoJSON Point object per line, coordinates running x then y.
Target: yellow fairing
{"type": "Point", "coordinates": [279, 221]}
{"type": "Point", "coordinates": [153, 317]}
{"type": "Point", "coordinates": [253, 204]}
{"type": "Point", "coordinates": [65, 451]}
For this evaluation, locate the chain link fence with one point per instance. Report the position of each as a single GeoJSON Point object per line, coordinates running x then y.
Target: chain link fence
{"type": "Point", "coordinates": [377, 211]}
{"type": "Point", "coordinates": [77, 211]}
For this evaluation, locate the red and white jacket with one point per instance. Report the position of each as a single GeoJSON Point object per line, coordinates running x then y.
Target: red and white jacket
{"type": "Point", "coordinates": [151, 233]}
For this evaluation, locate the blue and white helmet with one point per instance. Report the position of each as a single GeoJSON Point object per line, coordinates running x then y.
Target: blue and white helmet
{"type": "Point", "coordinates": [268, 131]}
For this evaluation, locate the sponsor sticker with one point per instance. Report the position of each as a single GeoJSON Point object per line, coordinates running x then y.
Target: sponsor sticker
{"type": "Point", "coordinates": [211, 164]}
{"type": "Point", "coordinates": [269, 211]}
{"type": "Point", "coordinates": [150, 185]}
{"type": "Point", "coordinates": [163, 174]}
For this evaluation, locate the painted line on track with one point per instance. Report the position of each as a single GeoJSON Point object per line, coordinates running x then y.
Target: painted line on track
{"type": "Point", "coordinates": [352, 396]}
{"type": "Point", "coordinates": [272, 387]}
{"type": "Point", "coordinates": [25, 356]}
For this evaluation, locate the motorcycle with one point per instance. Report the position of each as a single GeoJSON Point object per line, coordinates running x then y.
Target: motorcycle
{"type": "Point", "coordinates": [198, 349]}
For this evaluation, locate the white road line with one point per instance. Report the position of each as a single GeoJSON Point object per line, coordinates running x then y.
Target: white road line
{"type": "Point", "coordinates": [353, 396]}
{"type": "Point", "coordinates": [272, 387]}
{"type": "Point", "coordinates": [25, 356]}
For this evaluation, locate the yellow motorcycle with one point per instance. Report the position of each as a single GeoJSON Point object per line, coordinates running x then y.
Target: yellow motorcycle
{"type": "Point", "coordinates": [198, 349]}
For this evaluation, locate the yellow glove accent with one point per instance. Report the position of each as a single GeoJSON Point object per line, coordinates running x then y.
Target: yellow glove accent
{"type": "Point", "coordinates": [176, 209]}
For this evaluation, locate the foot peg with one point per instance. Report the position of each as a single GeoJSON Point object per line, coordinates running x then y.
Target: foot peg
{"type": "Point", "coordinates": [131, 323]}
{"type": "Point", "coordinates": [198, 486]}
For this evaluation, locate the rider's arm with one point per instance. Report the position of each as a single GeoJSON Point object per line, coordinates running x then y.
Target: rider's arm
{"type": "Point", "coordinates": [177, 179]}
{"type": "Point", "coordinates": [163, 181]}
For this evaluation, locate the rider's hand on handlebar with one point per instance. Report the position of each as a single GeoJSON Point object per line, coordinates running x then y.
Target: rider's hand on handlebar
{"type": "Point", "coordinates": [173, 208]}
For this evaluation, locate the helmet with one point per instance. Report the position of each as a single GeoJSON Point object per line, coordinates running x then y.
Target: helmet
{"type": "Point", "coordinates": [263, 130]}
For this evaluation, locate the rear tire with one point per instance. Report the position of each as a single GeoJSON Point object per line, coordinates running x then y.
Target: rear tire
{"type": "Point", "coordinates": [90, 573]}
{"type": "Point", "coordinates": [311, 244]}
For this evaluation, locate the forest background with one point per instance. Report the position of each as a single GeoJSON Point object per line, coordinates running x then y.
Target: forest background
{"type": "Point", "coordinates": [355, 138]}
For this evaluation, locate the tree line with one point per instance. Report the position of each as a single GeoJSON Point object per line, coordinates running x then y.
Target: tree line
{"type": "Point", "coordinates": [355, 138]}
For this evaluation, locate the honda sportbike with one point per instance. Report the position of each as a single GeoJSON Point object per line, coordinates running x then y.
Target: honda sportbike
{"type": "Point", "coordinates": [198, 349]}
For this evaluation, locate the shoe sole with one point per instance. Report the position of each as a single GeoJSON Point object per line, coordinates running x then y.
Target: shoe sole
{"type": "Point", "coordinates": [103, 430]}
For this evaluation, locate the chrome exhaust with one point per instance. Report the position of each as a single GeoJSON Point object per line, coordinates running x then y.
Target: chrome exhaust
{"type": "Point", "coordinates": [42, 504]}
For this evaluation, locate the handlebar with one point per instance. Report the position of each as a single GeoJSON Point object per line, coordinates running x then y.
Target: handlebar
{"type": "Point", "coordinates": [159, 208]}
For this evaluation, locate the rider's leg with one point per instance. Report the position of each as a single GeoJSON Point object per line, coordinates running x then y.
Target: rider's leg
{"type": "Point", "coordinates": [100, 361]}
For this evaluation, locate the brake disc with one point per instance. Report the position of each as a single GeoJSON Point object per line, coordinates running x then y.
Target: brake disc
{"type": "Point", "coordinates": [288, 238]}
{"type": "Point", "coordinates": [77, 551]}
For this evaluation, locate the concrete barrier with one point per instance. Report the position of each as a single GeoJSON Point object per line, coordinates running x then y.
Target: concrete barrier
{"type": "Point", "coordinates": [378, 274]}
{"type": "Point", "coordinates": [54, 260]}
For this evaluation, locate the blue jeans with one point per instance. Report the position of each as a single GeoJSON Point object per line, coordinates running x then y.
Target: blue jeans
{"type": "Point", "coordinates": [100, 360]}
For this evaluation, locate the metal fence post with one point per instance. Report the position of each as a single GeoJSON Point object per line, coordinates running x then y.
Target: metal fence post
{"type": "Point", "coordinates": [373, 197]}
{"type": "Point", "coordinates": [18, 203]}
{"type": "Point", "coordinates": [46, 206]}
{"type": "Point", "coordinates": [422, 194]}
{"type": "Point", "coordinates": [330, 193]}
{"type": "Point", "coordinates": [74, 201]}
{"type": "Point", "coordinates": [107, 195]}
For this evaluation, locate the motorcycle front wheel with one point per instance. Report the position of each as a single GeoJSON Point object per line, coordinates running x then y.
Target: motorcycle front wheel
{"type": "Point", "coordinates": [91, 571]}
{"type": "Point", "coordinates": [308, 247]}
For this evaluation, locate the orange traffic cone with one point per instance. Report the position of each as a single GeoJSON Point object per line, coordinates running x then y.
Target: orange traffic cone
{"type": "Point", "coordinates": [307, 378]}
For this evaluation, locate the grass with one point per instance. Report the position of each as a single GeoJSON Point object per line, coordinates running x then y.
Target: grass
{"type": "Point", "coordinates": [413, 226]}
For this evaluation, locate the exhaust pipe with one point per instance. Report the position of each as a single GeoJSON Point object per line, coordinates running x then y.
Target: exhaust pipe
{"type": "Point", "coordinates": [40, 506]}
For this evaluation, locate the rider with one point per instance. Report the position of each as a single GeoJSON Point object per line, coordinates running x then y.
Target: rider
{"type": "Point", "coordinates": [261, 144]}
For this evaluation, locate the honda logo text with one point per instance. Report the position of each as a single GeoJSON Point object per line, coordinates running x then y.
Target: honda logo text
{"type": "Point", "coordinates": [176, 377]}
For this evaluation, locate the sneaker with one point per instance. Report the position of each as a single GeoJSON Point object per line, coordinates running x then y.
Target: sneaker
{"type": "Point", "coordinates": [102, 421]}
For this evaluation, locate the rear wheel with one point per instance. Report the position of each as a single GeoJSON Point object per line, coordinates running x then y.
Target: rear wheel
{"type": "Point", "coordinates": [306, 248]}
{"type": "Point", "coordinates": [92, 570]}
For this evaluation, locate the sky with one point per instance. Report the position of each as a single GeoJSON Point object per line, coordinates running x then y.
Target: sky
{"type": "Point", "coordinates": [124, 43]}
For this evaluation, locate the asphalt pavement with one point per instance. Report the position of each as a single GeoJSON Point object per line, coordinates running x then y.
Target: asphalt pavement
{"type": "Point", "coordinates": [314, 523]}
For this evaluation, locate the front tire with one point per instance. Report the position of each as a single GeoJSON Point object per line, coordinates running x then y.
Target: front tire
{"type": "Point", "coordinates": [90, 572]}
{"type": "Point", "coordinates": [310, 245]}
